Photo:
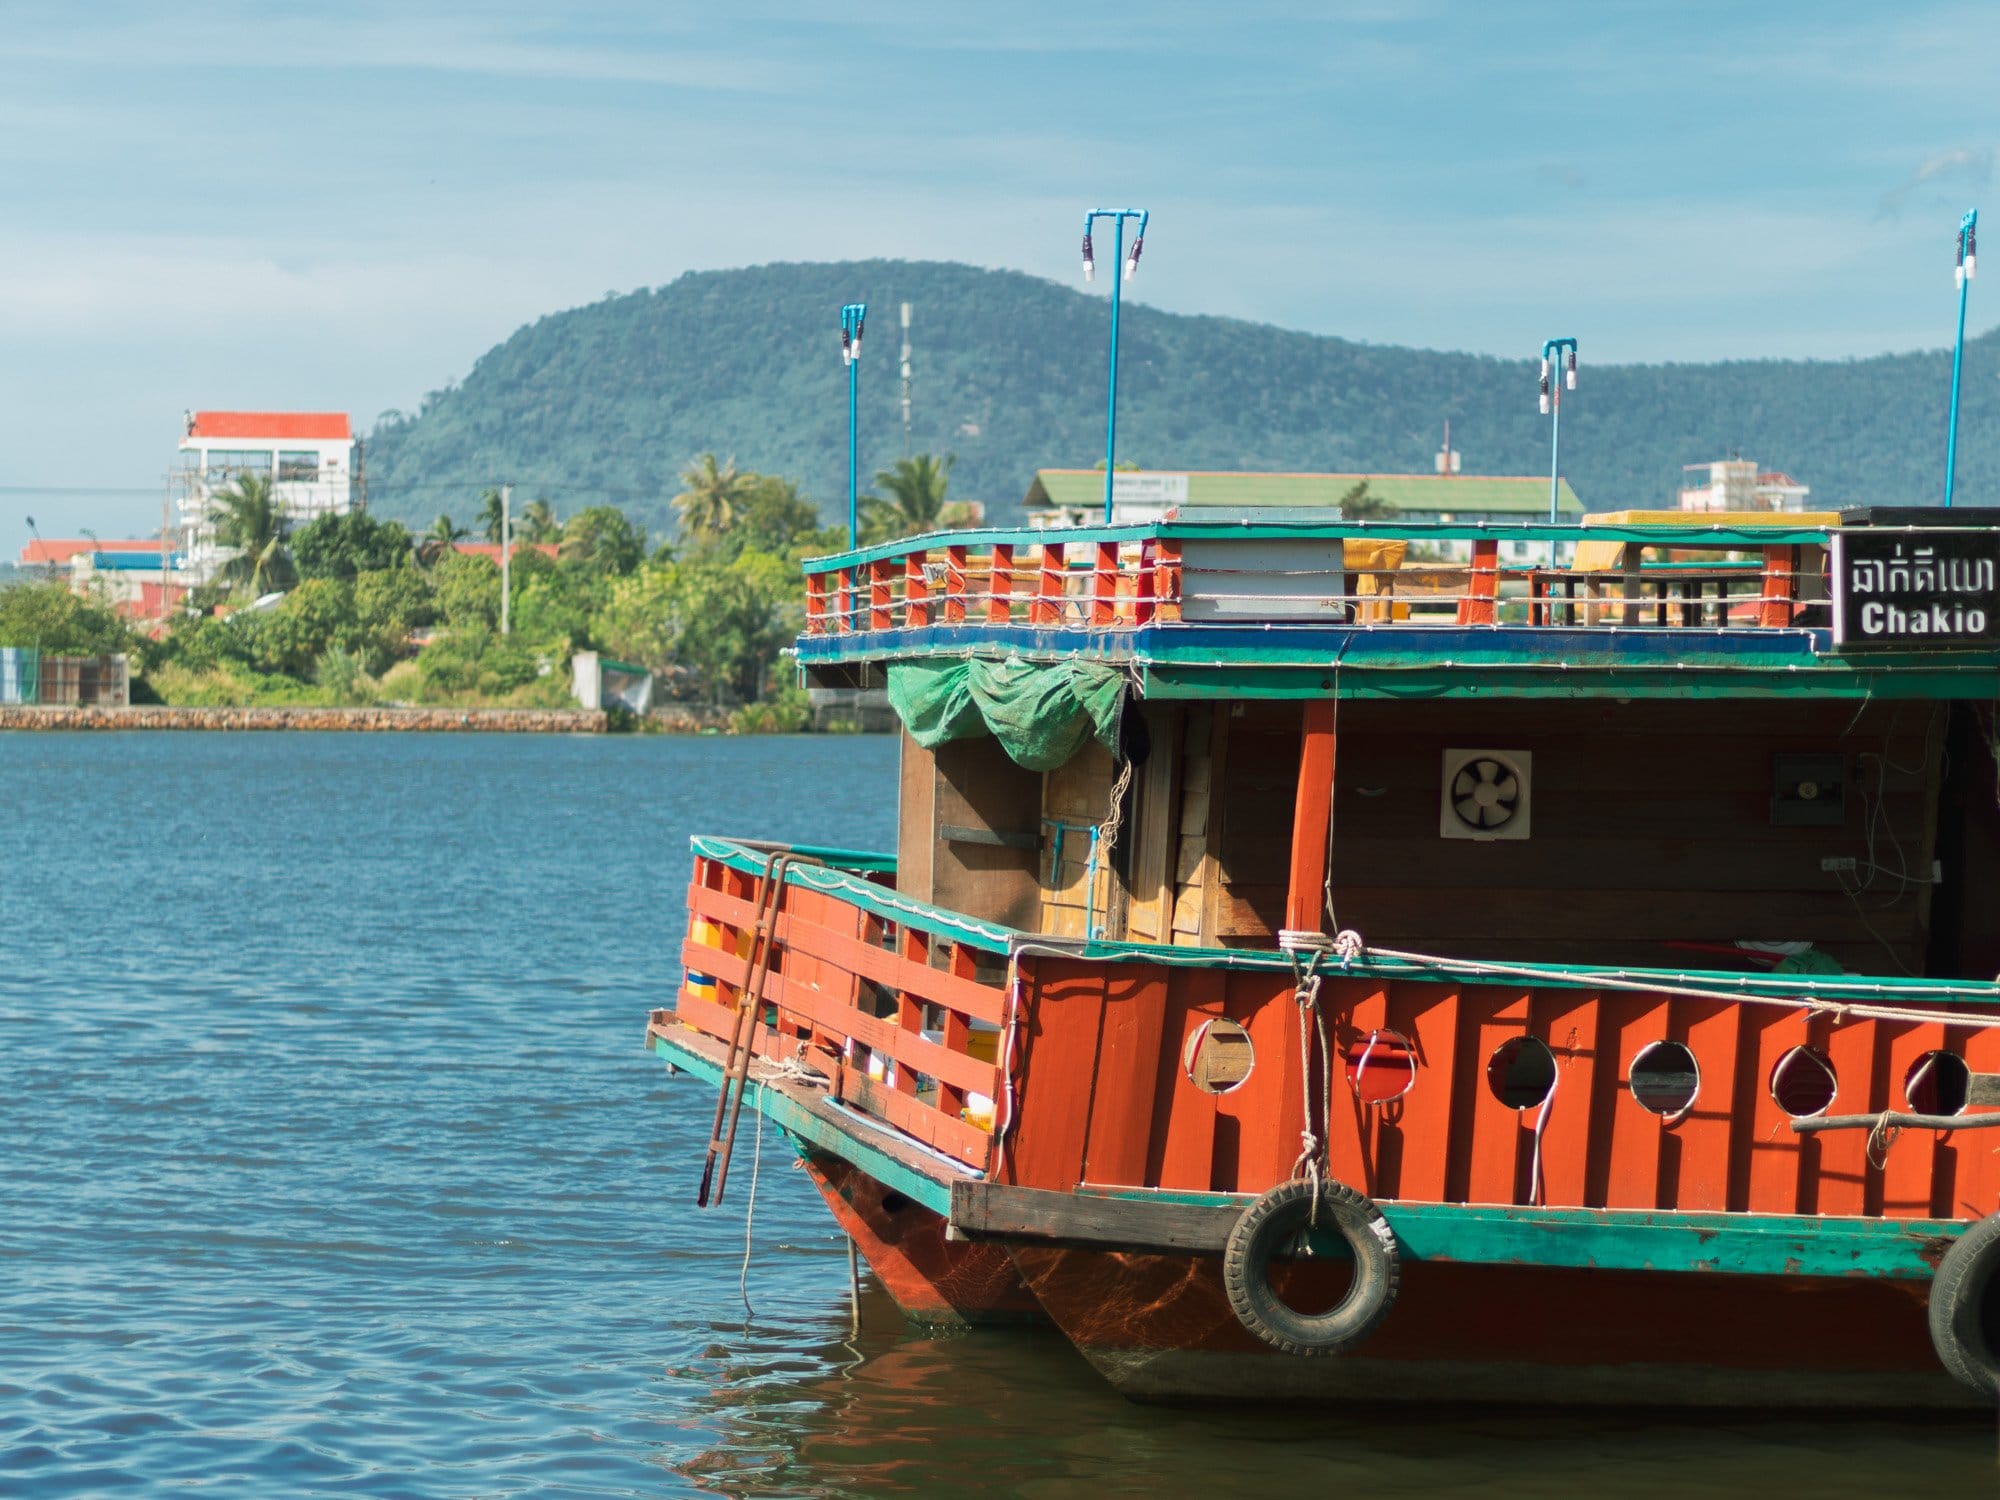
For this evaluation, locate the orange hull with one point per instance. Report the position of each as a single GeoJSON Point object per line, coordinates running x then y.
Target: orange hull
{"type": "Point", "coordinates": [1159, 1327]}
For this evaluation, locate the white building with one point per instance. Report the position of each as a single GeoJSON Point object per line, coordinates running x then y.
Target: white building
{"type": "Point", "coordinates": [1738, 484]}
{"type": "Point", "coordinates": [309, 457]}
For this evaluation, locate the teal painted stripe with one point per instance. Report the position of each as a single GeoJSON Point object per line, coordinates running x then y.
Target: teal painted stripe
{"type": "Point", "coordinates": [1165, 678]}
{"type": "Point", "coordinates": [809, 1126]}
{"type": "Point", "coordinates": [1632, 1240]}
{"type": "Point", "coordinates": [994, 938]}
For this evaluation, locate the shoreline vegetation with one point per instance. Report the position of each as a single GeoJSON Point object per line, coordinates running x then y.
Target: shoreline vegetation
{"type": "Point", "coordinates": [355, 616]}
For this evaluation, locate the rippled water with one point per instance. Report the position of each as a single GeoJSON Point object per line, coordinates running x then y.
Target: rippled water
{"type": "Point", "coordinates": [331, 1163]}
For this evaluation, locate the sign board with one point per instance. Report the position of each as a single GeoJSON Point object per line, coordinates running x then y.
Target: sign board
{"type": "Point", "coordinates": [1933, 589]}
{"type": "Point", "coordinates": [1149, 489]}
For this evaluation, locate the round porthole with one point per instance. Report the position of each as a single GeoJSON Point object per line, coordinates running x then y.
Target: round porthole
{"type": "Point", "coordinates": [1218, 1056]}
{"type": "Point", "coordinates": [1381, 1066]}
{"type": "Point", "coordinates": [1803, 1083]}
{"type": "Point", "coordinates": [1665, 1078]}
{"type": "Point", "coordinates": [1937, 1083]}
{"type": "Point", "coordinates": [1521, 1072]}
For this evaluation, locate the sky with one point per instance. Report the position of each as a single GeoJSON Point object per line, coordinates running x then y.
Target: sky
{"type": "Point", "coordinates": [340, 207]}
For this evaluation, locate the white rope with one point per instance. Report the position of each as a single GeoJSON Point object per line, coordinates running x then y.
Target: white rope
{"type": "Point", "coordinates": [750, 1218]}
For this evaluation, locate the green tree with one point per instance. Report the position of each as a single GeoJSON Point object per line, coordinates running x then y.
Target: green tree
{"type": "Point", "coordinates": [437, 542]}
{"type": "Point", "coordinates": [917, 488]}
{"type": "Point", "coordinates": [346, 545]}
{"type": "Point", "coordinates": [45, 614]}
{"type": "Point", "coordinates": [599, 537]}
{"type": "Point", "coordinates": [491, 514]}
{"type": "Point", "coordinates": [389, 607]}
{"type": "Point", "coordinates": [539, 522]}
{"type": "Point", "coordinates": [1357, 504]}
{"type": "Point", "coordinates": [712, 495]}
{"type": "Point", "coordinates": [467, 591]}
{"type": "Point", "coordinates": [248, 520]}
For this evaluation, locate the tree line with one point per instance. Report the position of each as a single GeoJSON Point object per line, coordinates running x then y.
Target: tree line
{"type": "Point", "coordinates": [353, 610]}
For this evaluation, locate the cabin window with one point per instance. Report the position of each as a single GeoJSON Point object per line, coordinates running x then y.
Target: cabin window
{"type": "Point", "coordinates": [1803, 1083]}
{"type": "Point", "coordinates": [225, 464]}
{"type": "Point", "coordinates": [1665, 1078]}
{"type": "Point", "coordinates": [1521, 1072]}
{"type": "Point", "coordinates": [300, 464]}
{"type": "Point", "coordinates": [1937, 1084]}
{"type": "Point", "coordinates": [1218, 1056]}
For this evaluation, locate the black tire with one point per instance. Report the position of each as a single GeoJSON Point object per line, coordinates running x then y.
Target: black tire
{"type": "Point", "coordinates": [1965, 1307]}
{"type": "Point", "coordinates": [1272, 1222]}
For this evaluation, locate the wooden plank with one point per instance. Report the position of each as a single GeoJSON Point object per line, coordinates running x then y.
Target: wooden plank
{"type": "Point", "coordinates": [954, 585]}
{"type": "Point", "coordinates": [1629, 1023]}
{"type": "Point", "coordinates": [1428, 1015]}
{"type": "Point", "coordinates": [1000, 586]}
{"type": "Point", "coordinates": [1181, 1150]}
{"type": "Point", "coordinates": [1211, 865]}
{"type": "Point", "coordinates": [858, 956]}
{"type": "Point", "coordinates": [1312, 817]}
{"type": "Point", "coordinates": [1128, 1050]}
{"type": "Point", "coordinates": [1709, 1030]}
{"type": "Point", "coordinates": [884, 1038]}
{"type": "Point", "coordinates": [1568, 1019]}
{"type": "Point", "coordinates": [916, 817]}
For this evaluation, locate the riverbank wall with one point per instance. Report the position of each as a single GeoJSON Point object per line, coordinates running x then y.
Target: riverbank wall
{"type": "Point", "coordinates": [455, 720]}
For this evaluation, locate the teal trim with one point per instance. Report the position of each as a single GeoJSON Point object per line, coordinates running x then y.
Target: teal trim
{"type": "Point", "coordinates": [809, 1126]}
{"type": "Point", "coordinates": [870, 897]}
{"type": "Point", "coordinates": [992, 937]}
{"type": "Point", "coordinates": [1636, 1240]}
{"type": "Point", "coordinates": [1163, 680]}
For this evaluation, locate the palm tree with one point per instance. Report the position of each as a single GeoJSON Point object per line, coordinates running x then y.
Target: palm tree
{"type": "Point", "coordinates": [251, 523]}
{"type": "Point", "coordinates": [436, 542]}
{"type": "Point", "coordinates": [713, 499]}
{"type": "Point", "coordinates": [490, 508]}
{"type": "Point", "coordinates": [539, 522]}
{"type": "Point", "coordinates": [917, 488]}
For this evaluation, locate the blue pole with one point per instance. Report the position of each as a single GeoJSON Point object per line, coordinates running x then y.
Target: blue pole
{"type": "Point", "coordinates": [1111, 401]}
{"type": "Point", "coordinates": [1120, 268]}
{"type": "Point", "coordinates": [1966, 255]}
{"type": "Point", "coordinates": [852, 316]}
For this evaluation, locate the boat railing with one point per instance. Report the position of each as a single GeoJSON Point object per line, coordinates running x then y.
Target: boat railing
{"type": "Point", "coordinates": [897, 1009]}
{"type": "Point", "coordinates": [1172, 573]}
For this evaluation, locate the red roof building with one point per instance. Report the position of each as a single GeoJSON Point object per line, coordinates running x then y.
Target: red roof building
{"type": "Point", "coordinates": [271, 426]}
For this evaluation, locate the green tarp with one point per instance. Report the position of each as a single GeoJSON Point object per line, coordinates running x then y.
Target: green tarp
{"type": "Point", "coordinates": [1041, 714]}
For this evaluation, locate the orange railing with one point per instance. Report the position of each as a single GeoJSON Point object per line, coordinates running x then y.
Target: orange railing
{"type": "Point", "coordinates": [902, 1021]}
{"type": "Point", "coordinates": [1117, 580]}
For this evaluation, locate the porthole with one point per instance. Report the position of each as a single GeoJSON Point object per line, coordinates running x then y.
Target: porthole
{"type": "Point", "coordinates": [1218, 1056]}
{"type": "Point", "coordinates": [1803, 1083]}
{"type": "Point", "coordinates": [1521, 1072]}
{"type": "Point", "coordinates": [1381, 1066]}
{"type": "Point", "coordinates": [1665, 1078]}
{"type": "Point", "coordinates": [1937, 1084]}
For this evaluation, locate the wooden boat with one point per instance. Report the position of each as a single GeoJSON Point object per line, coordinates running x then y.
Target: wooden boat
{"type": "Point", "coordinates": [1308, 972]}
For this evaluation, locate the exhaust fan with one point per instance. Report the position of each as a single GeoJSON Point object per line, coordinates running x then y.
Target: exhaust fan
{"type": "Point", "coordinates": [1485, 794]}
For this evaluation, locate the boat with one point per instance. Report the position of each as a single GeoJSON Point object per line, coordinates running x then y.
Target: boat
{"type": "Point", "coordinates": [1324, 962]}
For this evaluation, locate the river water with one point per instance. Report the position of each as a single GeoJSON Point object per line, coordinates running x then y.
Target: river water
{"type": "Point", "coordinates": [331, 1163]}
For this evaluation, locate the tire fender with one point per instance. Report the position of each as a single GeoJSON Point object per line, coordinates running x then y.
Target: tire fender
{"type": "Point", "coordinates": [1965, 1307]}
{"type": "Point", "coordinates": [1273, 1222]}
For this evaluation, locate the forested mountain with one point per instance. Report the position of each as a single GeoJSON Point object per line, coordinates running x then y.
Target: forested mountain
{"type": "Point", "coordinates": [608, 403]}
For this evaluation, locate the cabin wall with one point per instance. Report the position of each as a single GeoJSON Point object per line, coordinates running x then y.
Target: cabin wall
{"type": "Point", "coordinates": [1077, 890]}
{"type": "Point", "coordinates": [1650, 827]}
{"type": "Point", "coordinates": [968, 835]}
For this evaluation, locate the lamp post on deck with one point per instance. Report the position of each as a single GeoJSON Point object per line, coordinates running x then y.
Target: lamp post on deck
{"type": "Point", "coordinates": [1130, 263]}
{"type": "Point", "coordinates": [1967, 254]}
{"type": "Point", "coordinates": [852, 316]}
{"type": "Point", "coordinates": [1558, 372]}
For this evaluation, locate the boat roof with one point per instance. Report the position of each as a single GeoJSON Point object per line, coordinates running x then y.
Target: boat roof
{"type": "Point", "coordinates": [1284, 604]}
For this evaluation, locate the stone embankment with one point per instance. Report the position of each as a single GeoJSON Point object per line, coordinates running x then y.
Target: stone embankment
{"type": "Point", "coordinates": [149, 716]}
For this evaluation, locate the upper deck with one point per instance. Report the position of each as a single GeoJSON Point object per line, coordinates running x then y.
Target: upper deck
{"type": "Point", "coordinates": [1272, 605]}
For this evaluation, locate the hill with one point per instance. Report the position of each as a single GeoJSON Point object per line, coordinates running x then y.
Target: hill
{"type": "Point", "coordinates": [609, 402]}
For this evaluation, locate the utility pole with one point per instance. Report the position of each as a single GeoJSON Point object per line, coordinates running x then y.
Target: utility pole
{"type": "Point", "coordinates": [506, 557]}
{"type": "Point", "coordinates": [1558, 372]}
{"type": "Point", "coordinates": [1968, 255]}
{"type": "Point", "coordinates": [1118, 216]}
{"type": "Point", "coordinates": [906, 380]}
{"type": "Point", "coordinates": [852, 316]}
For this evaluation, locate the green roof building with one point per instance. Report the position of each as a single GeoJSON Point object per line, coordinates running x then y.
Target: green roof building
{"type": "Point", "coordinates": [1147, 494]}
